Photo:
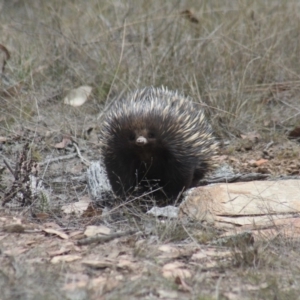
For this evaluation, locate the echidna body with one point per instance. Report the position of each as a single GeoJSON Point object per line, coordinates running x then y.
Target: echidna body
{"type": "Point", "coordinates": [156, 137]}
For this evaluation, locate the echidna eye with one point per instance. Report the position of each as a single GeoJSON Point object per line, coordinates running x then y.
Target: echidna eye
{"type": "Point", "coordinates": [131, 137]}
{"type": "Point", "coordinates": [151, 135]}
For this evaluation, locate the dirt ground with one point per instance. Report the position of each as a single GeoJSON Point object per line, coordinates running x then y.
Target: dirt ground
{"type": "Point", "coordinates": [240, 61]}
{"type": "Point", "coordinates": [41, 258]}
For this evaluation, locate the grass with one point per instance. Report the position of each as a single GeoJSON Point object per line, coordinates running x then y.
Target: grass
{"type": "Point", "coordinates": [236, 59]}
{"type": "Point", "coordinates": [239, 59]}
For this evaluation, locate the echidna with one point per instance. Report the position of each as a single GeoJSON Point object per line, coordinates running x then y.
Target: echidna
{"type": "Point", "coordinates": [157, 138]}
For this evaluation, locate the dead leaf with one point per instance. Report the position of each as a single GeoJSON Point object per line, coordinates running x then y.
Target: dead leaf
{"type": "Point", "coordinates": [77, 97]}
{"type": "Point", "coordinates": [51, 225]}
{"type": "Point", "coordinates": [105, 284]}
{"type": "Point", "coordinates": [31, 242]}
{"type": "Point", "coordinates": [75, 233]}
{"type": "Point", "coordinates": [210, 252]}
{"type": "Point", "coordinates": [64, 143]}
{"type": "Point", "coordinates": [167, 248]}
{"type": "Point", "coordinates": [182, 284]}
{"type": "Point", "coordinates": [79, 237]}
{"type": "Point", "coordinates": [232, 296]}
{"type": "Point", "coordinates": [211, 264]}
{"type": "Point", "coordinates": [59, 252]}
{"type": "Point", "coordinates": [233, 159]}
{"type": "Point", "coordinates": [92, 211]}
{"type": "Point", "coordinates": [14, 251]}
{"type": "Point", "coordinates": [14, 228]}
{"type": "Point", "coordinates": [77, 281]}
{"type": "Point", "coordinates": [126, 264]}
{"type": "Point", "coordinates": [250, 287]}
{"type": "Point", "coordinates": [3, 139]}
{"type": "Point", "coordinates": [42, 216]}
{"type": "Point", "coordinates": [96, 230]}
{"type": "Point", "coordinates": [199, 255]}
{"type": "Point", "coordinates": [64, 258]}
{"type": "Point", "coordinates": [215, 252]}
{"type": "Point", "coordinates": [164, 294]}
{"type": "Point", "coordinates": [56, 232]}
{"type": "Point", "coordinates": [174, 269]}
{"type": "Point", "coordinates": [251, 163]}
{"type": "Point", "coordinates": [16, 220]}
{"type": "Point", "coordinates": [77, 207]}
{"type": "Point", "coordinates": [189, 16]}
{"type": "Point", "coordinates": [101, 264]}
{"type": "Point", "coordinates": [169, 251]}
{"type": "Point", "coordinates": [261, 162]}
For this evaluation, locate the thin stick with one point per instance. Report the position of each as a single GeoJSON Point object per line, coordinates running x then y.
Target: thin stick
{"type": "Point", "coordinates": [104, 239]}
{"type": "Point", "coordinates": [9, 167]}
{"type": "Point", "coordinates": [56, 159]}
{"type": "Point", "coordinates": [83, 160]}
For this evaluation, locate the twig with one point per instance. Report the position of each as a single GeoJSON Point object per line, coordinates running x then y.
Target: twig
{"type": "Point", "coordinates": [65, 157]}
{"type": "Point", "coordinates": [9, 167]}
{"type": "Point", "coordinates": [104, 239]}
{"type": "Point", "coordinates": [234, 178]}
{"type": "Point", "coordinates": [7, 54]}
{"type": "Point", "coordinates": [56, 159]}
{"type": "Point", "coordinates": [268, 146]}
{"type": "Point", "coordinates": [8, 196]}
{"type": "Point", "coordinates": [83, 160]}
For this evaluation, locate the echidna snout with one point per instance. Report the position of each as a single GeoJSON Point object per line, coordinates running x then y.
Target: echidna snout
{"type": "Point", "coordinates": [141, 141]}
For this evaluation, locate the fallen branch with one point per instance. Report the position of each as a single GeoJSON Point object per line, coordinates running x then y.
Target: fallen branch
{"type": "Point", "coordinates": [57, 159]}
{"type": "Point", "coordinates": [83, 160]}
{"type": "Point", "coordinates": [234, 178]}
{"type": "Point", "coordinates": [104, 239]}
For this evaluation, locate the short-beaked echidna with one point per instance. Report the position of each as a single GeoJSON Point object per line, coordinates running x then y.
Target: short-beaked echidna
{"type": "Point", "coordinates": [159, 138]}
